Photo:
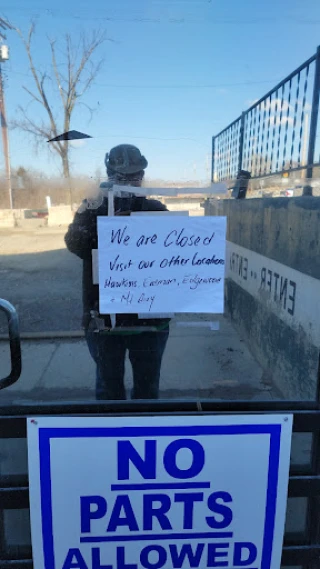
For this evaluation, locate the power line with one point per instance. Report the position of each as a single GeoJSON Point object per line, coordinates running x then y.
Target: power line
{"type": "Point", "coordinates": [177, 86]}
{"type": "Point", "coordinates": [54, 12]}
{"type": "Point", "coordinates": [129, 136]}
{"type": "Point", "coordinates": [198, 86]}
{"type": "Point", "coordinates": [152, 138]}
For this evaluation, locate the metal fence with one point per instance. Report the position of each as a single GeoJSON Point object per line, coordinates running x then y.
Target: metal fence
{"type": "Point", "coordinates": [277, 134]}
{"type": "Point", "coordinates": [302, 540]}
{"type": "Point", "coordinates": [301, 546]}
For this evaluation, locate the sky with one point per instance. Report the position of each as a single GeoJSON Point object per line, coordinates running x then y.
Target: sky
{"type": "Point", "coordinates": [175, 73]}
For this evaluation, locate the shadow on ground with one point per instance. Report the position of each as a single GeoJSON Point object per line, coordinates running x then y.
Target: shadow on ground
{"type": "Point", "coordinates": [45, 288]}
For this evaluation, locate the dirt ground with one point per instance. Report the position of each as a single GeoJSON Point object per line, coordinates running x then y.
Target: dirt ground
{"type": "Point", "coordinates": [41, 279]}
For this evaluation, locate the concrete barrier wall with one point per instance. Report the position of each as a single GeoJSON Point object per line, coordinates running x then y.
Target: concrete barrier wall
{"type": "Point", "coordinates": [192, 205]}
{"type": "Point", "coordinates": [273, 285]}
{"type": "Point", "coordinates": [17, 218]}
{"type": "Point", "coordinates": [60, 216]}
{"type": "Point", "coordinates": [7, 218]}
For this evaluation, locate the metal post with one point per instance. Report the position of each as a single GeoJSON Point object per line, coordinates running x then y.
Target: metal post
{"type": "Point", "coordinates": [314, 117]}
{"type": "Point", "coordinates": [212, 159]}
{"type": "Point", "coordinates": [113, 317]}
{"type": "Point", "coordinates": [241, 140]}
{"type": "Point", "coordinates": [305, 144]}
{"type": "Point", "coordinates": [5, 139]}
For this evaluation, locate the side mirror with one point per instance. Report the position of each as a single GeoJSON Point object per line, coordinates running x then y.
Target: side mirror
{"type": "Point", "coordinates": [15, 347]}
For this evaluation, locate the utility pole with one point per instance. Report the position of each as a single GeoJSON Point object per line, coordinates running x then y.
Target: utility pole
{"type": "Point", "coordinates": [208, 166]}
{"type": "Point", "coordinates": [4, 56]}
{"type": "Point", "coordinates": [4, 131]}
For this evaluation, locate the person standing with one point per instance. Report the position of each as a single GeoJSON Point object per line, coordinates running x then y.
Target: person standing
{"type": "Point", "coordinates": [108, 347]}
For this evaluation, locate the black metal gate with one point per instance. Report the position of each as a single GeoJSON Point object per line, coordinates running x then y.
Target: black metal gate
{"type": "Point", "coordinates": [302, 537]}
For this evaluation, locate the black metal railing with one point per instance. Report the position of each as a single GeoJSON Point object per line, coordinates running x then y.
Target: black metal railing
{"type": "Point", "coordinates": [301, 545]}
{"type": "Point", "coordinates": [278, 133]}
{"type": "Point", "coordinates": [15, 347]}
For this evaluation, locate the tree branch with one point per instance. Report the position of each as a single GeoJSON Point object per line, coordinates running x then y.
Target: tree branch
{"type": "Point", "coordinates": [72, 84]}
{"type": "Point", "coordinates": [30, 126]}
{"type": "Point", "coordinates": [93, 74]}
{"type": "Point", "coordinates": [38, 81]}
{"type": "Point", "coordinates": [90, 109]}
{"type": "Point", "coordinates": [87, 50]}
{"type": "Point", "coordinates": [56, 72]}
{"type": "Point", "coordinates": [33, 95]}
{"type": "Point", "coordinates": [38, 131]}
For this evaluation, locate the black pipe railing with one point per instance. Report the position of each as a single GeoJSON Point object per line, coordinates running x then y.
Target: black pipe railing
{"type": "Point", "coordinates": [278, 133]}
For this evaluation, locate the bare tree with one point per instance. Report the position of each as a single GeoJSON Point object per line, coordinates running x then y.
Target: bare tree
{"type": "Point", "coordinates": [4, 25]}
{"type": "Point", "coordinates": [71, 77]}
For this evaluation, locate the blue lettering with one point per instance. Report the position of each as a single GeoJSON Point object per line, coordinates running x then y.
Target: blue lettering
{"type": "Point", "coordinates": [166, 244]}
{"type": "Point", "coordinates": [170, 458]}
{"type": "Point", "coordinates": [150, 512]}
{"type": "Point", "coordinates": [88, 514]}
{"type": "Point", "coordinates": [188, 502]}
{"type": "Point", "coordinates": [162, 557]}
{"type": "Point", "coordinates": [250, 557]}
{"type": "Point", "coordinates": [121, 563]}
{"type": "Point", "coordinates": [96, 563]}
{"type": "Point", "coordinates": [214, 554]}
{"type": "Point", "coordinates": [128, 520]}
{"type": "Point", "coordinates": [146, 466]}
{"type": "Point", "coordinates": [186, 551]}
{"type": "Point", "coordinates": [224, 511]}
{"type": "Point", "coordinates": [78, 563]}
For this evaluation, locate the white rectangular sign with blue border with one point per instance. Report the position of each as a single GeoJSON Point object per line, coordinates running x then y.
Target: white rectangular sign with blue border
{"type": "Point", "coordinates": [158, 492]}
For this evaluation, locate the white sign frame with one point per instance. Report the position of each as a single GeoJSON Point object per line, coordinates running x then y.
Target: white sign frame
{"type": "Point", "coordinates": [47, 464]}
{"type": "Point", "coordinates": [216, 188]}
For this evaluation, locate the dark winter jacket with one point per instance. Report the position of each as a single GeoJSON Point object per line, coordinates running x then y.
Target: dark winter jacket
{"type": "Point", "coordinates": [82, 237]}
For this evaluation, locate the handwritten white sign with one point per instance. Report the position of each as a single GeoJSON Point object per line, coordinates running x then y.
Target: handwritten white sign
{"type": "Point", "coordinates": [156, 265]}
